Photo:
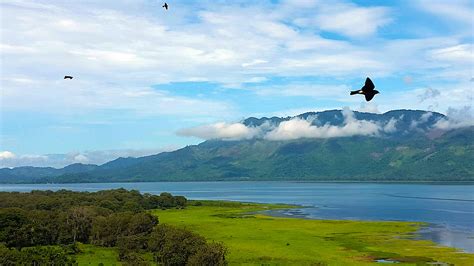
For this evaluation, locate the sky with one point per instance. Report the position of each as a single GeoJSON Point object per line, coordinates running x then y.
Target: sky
{"type": "Point", "coordinates": [144, 75]}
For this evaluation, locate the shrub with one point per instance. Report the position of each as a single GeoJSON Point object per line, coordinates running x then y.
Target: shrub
{"type": "Point", "coordinates": [209, 254]}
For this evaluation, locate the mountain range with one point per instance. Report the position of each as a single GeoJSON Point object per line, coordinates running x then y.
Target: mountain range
{"type": "Point", "coordinates": [334, 145]}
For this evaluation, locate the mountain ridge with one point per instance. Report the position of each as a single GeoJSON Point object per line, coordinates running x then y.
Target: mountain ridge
{"type": "Point", "coordinates": [415, 151]}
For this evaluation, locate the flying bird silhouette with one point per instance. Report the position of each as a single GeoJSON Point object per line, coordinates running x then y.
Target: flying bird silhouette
{"type": "Point", "coordinates": [165, 6]}
{"type": "Point", "coordinates": [368, 90]}
{"type": "Point", "coordinates": [67, 77]}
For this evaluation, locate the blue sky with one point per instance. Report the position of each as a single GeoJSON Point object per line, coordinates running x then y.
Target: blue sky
{"type": "Point", "coordinates": [142, 74]}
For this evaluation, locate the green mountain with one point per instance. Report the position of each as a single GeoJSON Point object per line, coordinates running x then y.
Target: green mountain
{"type": "Point", "coordinates": [412, 149]}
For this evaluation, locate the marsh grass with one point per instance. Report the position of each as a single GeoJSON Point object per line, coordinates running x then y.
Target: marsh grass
{"type": "Point", "coordinates": [257, 239]}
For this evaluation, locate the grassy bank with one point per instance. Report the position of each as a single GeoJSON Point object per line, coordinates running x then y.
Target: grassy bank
{"type": "Point", "coordinates": [259, 239]}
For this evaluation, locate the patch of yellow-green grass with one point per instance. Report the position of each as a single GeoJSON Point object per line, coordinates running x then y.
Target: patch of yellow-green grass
{"type": "Point", "coordinates": [254, 238]}
{"type": "Point", "coordinates": [94, 255]}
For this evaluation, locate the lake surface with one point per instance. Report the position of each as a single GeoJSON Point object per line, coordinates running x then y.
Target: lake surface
{"type": "Point", "coordinates": [449, 208]}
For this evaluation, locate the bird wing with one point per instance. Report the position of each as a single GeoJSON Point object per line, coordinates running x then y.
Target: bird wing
{"type": "Point", "coordinates": [369, 96]}
{"type": "Point", "coordinates": [369, 85]}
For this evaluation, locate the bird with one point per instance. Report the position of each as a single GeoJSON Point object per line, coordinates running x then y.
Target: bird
{"type": "Point", "coordinates": [368, 90]}
{"type": "Point", "coordinates": [67, 77]}
{"type": "Point", "coordinates": [165, 6]}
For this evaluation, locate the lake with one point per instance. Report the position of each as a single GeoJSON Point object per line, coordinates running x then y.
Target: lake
{"type": "Point", "coordinates": [449, 208]}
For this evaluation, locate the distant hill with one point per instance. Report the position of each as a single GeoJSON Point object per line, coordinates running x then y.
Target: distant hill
{"type": "Point", "coordinates": [33, 174]}
{"type": "Point", "coordinates": [409, 148]}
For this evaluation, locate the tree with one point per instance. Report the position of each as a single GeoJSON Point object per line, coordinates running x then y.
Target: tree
{"type": "Point", "coordinates": [132, 258]}
{"type": "Point", "coordinates": [180, 201]}
{"type": "Point", "coordinates": [35, 256]}
{"type": "Point", "coordinates": [209, 254]}
{"type": "Point", "coordinates": [9, 256]}
{"type": "Point", "coordinates": [173, 246]}
{"type": "Point", "coordinates": [79, 220]}
{"type": "Point", "coordinates": [14, 227]}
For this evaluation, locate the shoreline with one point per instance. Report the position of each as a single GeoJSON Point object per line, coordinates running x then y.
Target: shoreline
{"type": "Point", "coordinates": [325, 202]}
{"type": "Point", "coordinates": [255, 237]}
{"type": "Point", "coordinates": [426, 230]}
{"type": "Point", "coordinates": [263, 180]}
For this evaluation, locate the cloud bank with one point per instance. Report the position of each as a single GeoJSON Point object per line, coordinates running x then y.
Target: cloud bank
{"type": "Point", "coordinates": [294, 128]}
{"type": "Point", "coordinates": [225, 131]}
{"type": "Point", "coordinates": [304, 128]}
{"type": "Point", "coordinates": [311, 127]}
{"type": "Point", "coordinates": [457, 118]}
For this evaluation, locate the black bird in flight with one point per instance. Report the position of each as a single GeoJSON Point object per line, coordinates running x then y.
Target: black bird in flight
{"type": "Point", "coordinates": [67, 77]}
{"type": "Point", "coordinates": [368, 90]}
{"type": "Point", "coordinates": [165, 6]}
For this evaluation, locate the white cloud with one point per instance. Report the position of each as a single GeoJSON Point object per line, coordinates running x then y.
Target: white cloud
{"type": "Point", "coordinates": [458, 54]}
{"type": "Point", "coordinates": [81, 158]}
{"type": "Point", "coordinates": [294, 128]}
{"type": "Point", "coordinates": [457, 10]}
{"type": "Point", "coordinates": [301, 128]}
{"type": "Point", "coordinates": [114, 64]}
{"type": "Point", "coordinates": [225, 131]}
{"type": "Point", "coordinates": [391, 126]}
{"type": "Point", "coordinates": [7, 155]}
{"type": "Point", "coordinates": [423, 119]}
{"type": "Point", "coordinates": [254, 62]}
{"type": "Point", "coordinates": [353, 21]}
{"type": "Point", "coordinates": [456, 118]}
{"type": "Point", "coordinates": [109, 57]}
{"type": "Point", "coordinates": [83, 96]}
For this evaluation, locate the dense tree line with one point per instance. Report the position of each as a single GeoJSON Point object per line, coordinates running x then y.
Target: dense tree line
{"type": "Point", "coordinates": [42, 227]}
{"type": "Point", "coordinates": [115, 200]}
{"type": "Point", "coordinates": [40, 255]}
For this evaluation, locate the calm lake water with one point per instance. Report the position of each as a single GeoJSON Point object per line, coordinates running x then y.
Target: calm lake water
{"type": "Point", "coordinates": [449, 208]}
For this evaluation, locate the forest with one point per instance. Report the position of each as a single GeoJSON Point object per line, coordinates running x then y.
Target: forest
{"type": "Point", "coordinates": [45, 227]}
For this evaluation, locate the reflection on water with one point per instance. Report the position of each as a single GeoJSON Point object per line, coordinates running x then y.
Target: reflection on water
{"type": "Point", "coordinates": [452, 238]}
{"type": "Point", "coordinates": [449, 208]}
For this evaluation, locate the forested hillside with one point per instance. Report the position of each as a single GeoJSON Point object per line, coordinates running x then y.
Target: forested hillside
{"type": "Point", "coordinates": [400, 145]}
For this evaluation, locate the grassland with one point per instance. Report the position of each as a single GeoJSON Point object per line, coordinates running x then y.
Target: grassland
{"type": "Point", "coordinates": [94, 255]}
{"type": "Point", "coordinates": [256, 239]}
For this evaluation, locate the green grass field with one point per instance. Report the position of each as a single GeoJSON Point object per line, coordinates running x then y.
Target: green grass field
{"type": "Point", "coordinates": [259, 239]}
{"type": "Point", "coordinates": [94, 255]}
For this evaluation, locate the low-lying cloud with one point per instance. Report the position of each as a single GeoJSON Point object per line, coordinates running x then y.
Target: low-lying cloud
{"type": "Point", "coordinates": [225, 131]}
{"type": "Point", "coordinates": [304, 128]}
{"type": "Point", "coordinates": [423, 119]}
{"type": "Point", "coordinates": [6, 155]}
{"type": "Point", "coordinates": [294, 128]}
{"type": "Point", "coordinates": [456, 118]}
